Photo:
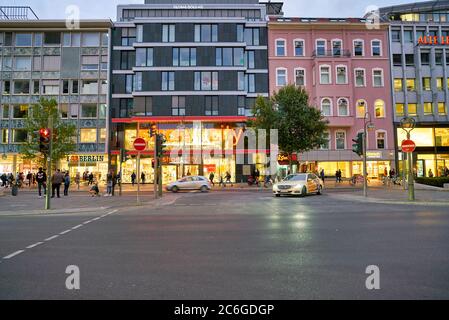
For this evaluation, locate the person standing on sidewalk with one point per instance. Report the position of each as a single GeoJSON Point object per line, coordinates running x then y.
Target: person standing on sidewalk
{"type": "Point", "coordinates": [211, 178]}
{"type": "Point", "coordinates": [322, 175]}
{"type": "Point", "coordinates": [142, 177]}
{"type": "Point", "coordinates": [109, 183]}
{"type": "Point", "coordinates": [56, 182]}
{"type": "Point", "coordinates": [66, 184]}
{"type": "Point", "coordinates": [78, 180]}
{"type": "Point", "coordinates": [91, 179]}
{"type": "Point", "coordinates": [41, 178]}
{"type": "Point", "coordinates": [228, 178]}
{"type": "Point", "coordinates": [133, 179]}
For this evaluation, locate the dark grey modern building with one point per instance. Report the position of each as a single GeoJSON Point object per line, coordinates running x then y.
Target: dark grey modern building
{"type": "Point", "coordinates": [194, 67]}
{"type": "Point", "coordinates": [420, 76]}
{"type": "Point", "coordinates": [45, 58]}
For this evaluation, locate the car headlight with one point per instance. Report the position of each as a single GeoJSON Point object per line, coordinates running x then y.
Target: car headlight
{"type": "Point", "coordinates": [275, 188]}
{"type": "Point", "coordinates": [298, 187]}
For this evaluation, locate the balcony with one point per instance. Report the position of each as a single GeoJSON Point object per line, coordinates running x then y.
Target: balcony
{"type": "Point", "coordinates": [335, 53]}
{"type": "Point", "coordinates": [341, 122]}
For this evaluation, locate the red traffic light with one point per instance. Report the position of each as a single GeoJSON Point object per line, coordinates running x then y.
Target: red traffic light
{"type": "Point", "coordinates": [44, 132]}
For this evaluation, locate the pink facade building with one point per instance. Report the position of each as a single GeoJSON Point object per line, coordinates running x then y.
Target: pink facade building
{"type": "Point", "coordinates": [345, 68]}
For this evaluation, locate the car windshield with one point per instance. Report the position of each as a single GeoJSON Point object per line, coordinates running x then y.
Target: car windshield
{"type": "Point", "coordinates": [296, 177]}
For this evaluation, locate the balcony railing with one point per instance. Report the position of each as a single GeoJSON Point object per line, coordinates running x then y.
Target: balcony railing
{"type": "Point", "coordinates": [17, 13]}
{"type": "Point", "coordinates": [336, 53]}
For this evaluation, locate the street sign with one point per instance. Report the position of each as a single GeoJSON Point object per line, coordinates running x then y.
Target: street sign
{"type": "Point", "coordinates": [140, 144]}
{"type": "Point", "coordinates": [408, 146]}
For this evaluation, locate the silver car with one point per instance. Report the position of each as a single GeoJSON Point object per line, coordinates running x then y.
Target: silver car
{"type": "Point", "coordinates": [300, 184]}
{"type": "Point", "coordinates": [190, 183]}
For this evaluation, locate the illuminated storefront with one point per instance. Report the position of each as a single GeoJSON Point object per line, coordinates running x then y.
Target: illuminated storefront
{"type": "Point", "coordinates": [432, 150]}
{"type": "Point", "coordinates": [10, 163]}
{"type": "Point", "coordinates": [92, 163]}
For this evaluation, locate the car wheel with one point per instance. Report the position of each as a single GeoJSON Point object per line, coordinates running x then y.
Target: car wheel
{"type": "Point", "coordinates": [304, 192]}
{"type": "Point", "coordinates": [204, 189]}
{"type": "Point", "coordinates": [320, 190]}
{"type": "Point", "coordinates": [175, 189]}
{"type": "Point", "coordinates": [278, 195]}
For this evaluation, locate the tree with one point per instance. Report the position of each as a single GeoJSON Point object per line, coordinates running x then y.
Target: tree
{"type": "Point", "coordinates": [63, 133]}
{"type": "Point", "coordinates": [301, 127]}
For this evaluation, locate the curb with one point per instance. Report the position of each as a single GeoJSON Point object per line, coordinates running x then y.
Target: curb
{"type": "Point", "coordinates": [400, 202]}
{"type": "Point", "coordinates": [51, 211]}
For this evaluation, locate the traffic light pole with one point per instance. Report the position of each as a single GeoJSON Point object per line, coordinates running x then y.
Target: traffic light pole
{"type": "Point", "coordinates": [411, 182]}
{"type": "Point", "coordinates": [138, 177]}
{"type": "Point", "coordinates": [49, 156]}
{"type": "Point", "coordinates": [156, 168]}
{"type": "Point", "coordinates": [159, 162]}
{"type": "Point", "coordinates": [365, 175]}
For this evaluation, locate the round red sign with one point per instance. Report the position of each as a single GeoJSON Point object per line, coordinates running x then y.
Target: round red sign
{"type": "Point", "coordinates": [140, 144]}
{"type": "Point", "coordinates": [408, 146]}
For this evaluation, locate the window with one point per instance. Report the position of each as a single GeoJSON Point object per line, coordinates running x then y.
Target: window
{"type": "Point", "coordinates": [381, 139]}
{"type": "Point", "coordinates": [206, 33]}
{"type": "Point", "coordinates": [20, 111]}
{"type": "Point", "coordinates": [52, 38]}
{"type": "Point", "coordinates": [38, 39]}
{"type": "Point", "coordinates": [300, 77]}
{"type": "Point", "coordinates": [104, 39]}
{"type": "Point", "coordinates": [104, 86]}
{"type": "Point", "coordinates": [280, 47]}
{"type": "Point", "coordinates": [340, 140]}
{"type": "Point", "coordinates": [240, 33]}
{"type": "Point", "coordinates": [4, 136]}
{"type": "Point", "coordinates": [428, 108]}
{"type": "Point", "coordinates": [342, 77]}
{"type": "Point", "coordinates": [7, 63]}
{"type": "Point", "coordinates": [144, 57]}
{"type": "Point", "coordinates": [398, 84]}
{"type": "Point", "coordinates": [74, 111]}
{"type": "Point", "coordinates": [128, 36]}
{"type": "Point", "coordinates": [326, 107]}
{"type": "Point", "coordinates": [397, 60]}
{"type": "Point", "coordinates": [102, 136]}
{"type": "Point", "coordinates": [337, 48]}
{"type": "Point", "coordinates": [232, 57]}
{"type": "Point", "coordinates": [442, 137]}
{"type": "Point", "coordinates": [89, 87]}
{"type": "Point", "coordinates": [6, 87]}
{"type": "Point", "coordinates": [206, 81]}
{"type": "Point", "coordinates": [65, 86]}
{"type": "Point", "coordinates": [102, 111]}
{"type": "Point", "coordinates": [211, 106]}
{"type": "Point", "coordinates": [127, 60]}
{"type": "Point", "coordinates": [411, 84]}
{"type": "Point", "coordinates": [241, 79]}
{"type": "Point", "coordinates": [139, 33]}
{"type": "Point", "coordinates": [376, 48]}
{"type": "Point", "coordinates": [412, 109]}
{"type": "Point", "coordinates": [361, 109]}
{"type": "Point", "coordinates": [66, 39]}
{"type": "Point", "coordinates": [88, 111]}
{"type": "Point", "coordinates": [426, 84]}
{"type": "Point", "coordinates": [129, 83]}
{"type": "Point", "coordinates": [75, 87]}
{"type": "Point", "coordinates": [399, 107]}
{"type": "Point", "coordinates": [168, 33]}
{"type": "Point", "coordinates": [178, 106]}
{"type": "Point", "coordinates": [241, 105]}
{"type": "Point", "coordinates": [299, 48]}
{"type": "Point", "coordinates": [326, 145]}
{"type": "Point", "coordinates": [325, 75]}
{"type": "Point", "coordinates": [5, 112]}
{"type": "Point", "coordinates": [22, 64]}
{"type": "Point", "coordinates": [438, 57]}
{"type": "Point", "coordinates": [88, 135]}
{"type": "Point", "coordinates": [143, 106]}
{"type": "Point", "coordinates": [425, 58]}
{"type": "Point", "coordinates": [396, 35]}
{"type": "Point", "coordinates": [321, 47]}
{"type": "Point", "coordinates": [50, 87]}
{"type": "Point", "coordinates": [408, 36]}
{"type": "Point", "coordinates": [184, 57]}
{"type": "Point", "coordinates": [410, 60]}
{"type": "Point", "coordinates": [21, 86]}
{"type": "Point", "coordinates": [52, 63]}
{"type": "Point", "coordinates": [343, 107]}
{"type": "Point", "coordinates": [64, 110]}
{"type": "Point", "coordinates": [23, 39]}
{"type": "Point", "coordinates": [76, 39]}
{"type": "Point", "coordinates": [439, 84]}
{"type": "Point", "coordinates": [36, 87]}
{"type": "Point", "coordinates": [137, 85]}
{"type": "Point", "coordinates": [19, 136]}
{"type": "Point", "coordinates": [359, 77]}
{"type": "Point", "coordinates": [379, 108]}
{"type": "Point", "coordinates": [250, 60]}
{"type": "Point", "coordinates": [281, 77]}
{"type": "Point", "coordinates": [378, 78]}
{"type": "Point", "coordinates": [251, 36]}
{"type": "Point", "coordinates": [442, 109]}
{"type": "Point", "coordinates": [251, 83]}
{"type": "Point", "coordinates": [168, 81]}
{"type": "Point", "coordinates": [358, 48]}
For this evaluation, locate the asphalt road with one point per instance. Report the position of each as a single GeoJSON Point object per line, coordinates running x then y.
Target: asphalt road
{"type": "Point", "coordinates": [230, 245]}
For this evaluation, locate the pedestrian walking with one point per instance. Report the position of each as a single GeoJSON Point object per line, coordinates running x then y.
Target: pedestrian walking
{"type": "Point", "coordinates": [66, 184]}
{"type": "Point", "coordinates": [211, 178]}
{"type": "Point", "coordinates": [133, 179]}
{"type": "Point", "coordinates": [322, 175]}
{"type": "Point", "coordinates": [78, 180]}
{"type": "Point", "coordinates": [109, 183]}
{"type": "Point", "coordinates": [142, 177]}
{"type": "Point", "coordinates": [4, 179]}
{"type": "Point", "coordinates": [29, 178]}
{"type": "Point", "coordinates": [91, 179]}
{"type": "Point", "coordinates": [228, 178]}
{"type": "Point", "coordinates": [56, 182]}
{"type": "Point", "coordinates": [41, 178]}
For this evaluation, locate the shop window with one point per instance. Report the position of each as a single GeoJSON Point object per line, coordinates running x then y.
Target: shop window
{"type": "Point", "coordinates": [442, 137]}
{"type": "Point", "coordinates": [326, 107]}
{"type": "Point", "coordinates": [88, 135]}
{"type": "Point", "coordinates": [379, 108]}
{"type": "Point", "coordinates": [361, 108]}
{"type": "Point", "coordinates": [340, 140]}
{"type": "Point", "coordinates": [19, 136]}
{"type": "Point", "coordinates": [381, 139]}
{"type": "Point", "coordinates": [20, 111]}
{"type": "Point", "coordinates": [88, 111]}
{"type": "Point", "coordinates": [423, 137]}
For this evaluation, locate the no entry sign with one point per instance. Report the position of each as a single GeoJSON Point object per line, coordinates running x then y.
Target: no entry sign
{"type": "Point", "coordinates": [408, 146]}
{"type": "Point", "coordinates": [140, 144]}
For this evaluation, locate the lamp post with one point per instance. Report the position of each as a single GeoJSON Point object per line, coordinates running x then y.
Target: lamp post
{"type": "Point", "coordinates": [367, 124]}
{"type": "Point", "coordinates": [408, 124]}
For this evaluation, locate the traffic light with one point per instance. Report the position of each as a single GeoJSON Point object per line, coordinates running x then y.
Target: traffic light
{"type": "Point", "coordinates": [153, 130]}
{"type": "Point", "coordinates": [44, 140]}
{"type": "Point", "coordinates": [123, 155]}
{"type": "Point", "coordinates": [358, 146]}
{"type": "Point", "coordinates": [160, 145]}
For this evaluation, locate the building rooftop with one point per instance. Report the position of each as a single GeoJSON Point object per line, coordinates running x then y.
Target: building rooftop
{"type": "Point", "coordinates": [17, 13]}
{"type": "Point", "coordinates": [417, 7]}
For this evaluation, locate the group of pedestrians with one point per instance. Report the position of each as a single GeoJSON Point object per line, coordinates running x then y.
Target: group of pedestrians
{"type": "Point", "coordinates": [57, 180]}
{"type": "Point", "coordinates": [223, 180]}
{"type": "Point", "coordinates": [7, 180]}
{"type": "Point", "coordinates": [134, 177]}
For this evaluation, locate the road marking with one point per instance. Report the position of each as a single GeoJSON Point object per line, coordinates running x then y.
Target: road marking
{"type": "Point", "coordinates": [51, 238]}
{"type": "Point", "coordinates": [13, 254]}
{"type": "Point", "coordinates": [64, 232]}
{"type": "Point", "coordinates": [96, 219]}
{"type": "Point", "coordinates": [34, 245]}
{"type": "Point", "coordinates": [76, 227]}
{"type": "Point", "coordinates": [86, 222]}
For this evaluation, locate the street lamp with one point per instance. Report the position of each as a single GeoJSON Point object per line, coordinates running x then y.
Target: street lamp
{"type": "Point", "coordinates": [367, 124]}
{"type": "Point", "coordinates": [408, 124]}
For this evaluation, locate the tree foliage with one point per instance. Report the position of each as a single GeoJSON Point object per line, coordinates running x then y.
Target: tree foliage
{"type": "Point", "coordinates": [63, 134]}
{"type": "Point", "coordinates": [301, 127]}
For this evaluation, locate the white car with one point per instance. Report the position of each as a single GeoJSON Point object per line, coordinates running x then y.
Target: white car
{"type": "Point", "coordinates": [190, 183]}
{"type": "Point", "coordinates": [300, 184]}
